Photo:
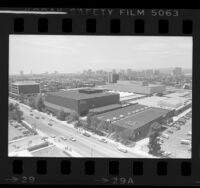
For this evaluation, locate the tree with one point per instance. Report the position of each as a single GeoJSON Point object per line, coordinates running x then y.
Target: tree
{"type": "Point", "coordinates": [89, 118]}
{"type": "Point", "coordinates": [155, 127]}
{"type": "Point", "coordinates": [11, 106]}
{"type": "Point", "coordinates": [78, 124]}
{"type": "Point", "coordinates": [102, 126]}
{"type": "Point", "coordinates": [74, 116]}
{"type": "Point", "coordinates": [21, 98]}
{"type": "Point", "coordinates": [15, 112]}
{"type": "Point", "coordinates": [39, 103]}
{"type": "Point", "coordinates": [61, 115]}
{"type": "Point", "coordinates": [94, 123]}
{"type": "Point", "coordinates": [154, 144]}
{"type": "Point", "coordinates": [31, 102]}
{"type": "Point", "coordinates": [19, 115]}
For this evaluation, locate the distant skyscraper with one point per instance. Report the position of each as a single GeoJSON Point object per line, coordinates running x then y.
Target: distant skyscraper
{"type": "Point", "coordinates": [21, 72]}
{"type": "Point", "coordinates": [156, 72]}
{"type": "Point", "coordinates": [177, 71]}
{"type": "Point", "coordinates": [149, 73]}
{"type": "Point", "coordinates": [122, 75]}
{"type": "Point", "coordinates": [129, 74]}
{"type": "Point", "coordinates": [113, 77]}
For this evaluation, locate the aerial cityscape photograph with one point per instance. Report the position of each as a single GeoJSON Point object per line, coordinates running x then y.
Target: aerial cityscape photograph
{"type": "Point", "coordinates": [100, 96]}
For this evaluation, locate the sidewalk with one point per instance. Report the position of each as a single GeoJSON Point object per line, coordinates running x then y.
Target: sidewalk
{"type": "Point", "coordinates": [182, 114]}
{"type": "Point", "coordinates": [136, 150]}
{"type": "Point", "coordinates": [59, 145]}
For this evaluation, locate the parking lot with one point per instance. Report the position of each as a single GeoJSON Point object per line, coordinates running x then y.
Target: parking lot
{"type": "Point", "coordinates": [25, 143]}
{"type": "Point", "coordinates": [14, 133]}
{"type": "Point", "coordinates": [17, 131]}
{"type": "Point", "coordinates": [173, 144]}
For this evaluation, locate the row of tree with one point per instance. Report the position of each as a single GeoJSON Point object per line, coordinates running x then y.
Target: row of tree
{"type": "Point", "coordinates": [14, 112]}
{"type": "Point", "coordinates": [154, 145]}
{"type": "Point", "coordinates": [67, 116]}
{"type": "Point", "coordinates": [34, 102]}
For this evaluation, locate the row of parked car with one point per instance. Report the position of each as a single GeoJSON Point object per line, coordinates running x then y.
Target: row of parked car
{"type": "Point", "coordinates": [22, 129]}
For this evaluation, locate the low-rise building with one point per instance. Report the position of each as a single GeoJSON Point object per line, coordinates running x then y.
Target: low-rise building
{"type": "Point", "coordinates": [136, 118]}
{"type": "Point", "coordinates": [23, 88]}
{"type": "Point", "coordinates": [133, 87]}
{"type": "Point", "coordinates": [81, 100]}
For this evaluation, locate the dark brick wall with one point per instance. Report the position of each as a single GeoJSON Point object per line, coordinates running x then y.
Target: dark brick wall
{"type": "Point", "coordinates": [29, 89]}
{"type": "Point", "coordinates": [62, 101]}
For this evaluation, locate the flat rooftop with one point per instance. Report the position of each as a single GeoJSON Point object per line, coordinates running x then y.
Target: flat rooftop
{"type": "Point", "coordinates": [127, 87]}
{"type": "Point", "coordinates": [24, 83]}
{"type": "Point", "coordinates": [75, 94]}
{"type": "Point", "coordinates": [121, 111]}
{"type": "Point", "coordinates": [133, 117]}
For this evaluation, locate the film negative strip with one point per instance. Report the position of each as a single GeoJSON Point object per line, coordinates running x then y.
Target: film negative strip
{"type": "Point", "coordinates": [100, 96]}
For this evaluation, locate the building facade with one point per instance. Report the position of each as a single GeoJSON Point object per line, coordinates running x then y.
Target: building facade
{"type": "Point", "coordinates": [139, 88]}
{"type": "Point", "coordinates": [113, 77]}
{"type": "Point", "coordinates": [136, 118]}
{"type": "Point", "coordinates": [23, 88]}
{"type": "Point", "coordinates": [81, 100]}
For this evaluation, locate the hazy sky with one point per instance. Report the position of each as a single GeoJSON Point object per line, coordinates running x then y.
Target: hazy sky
{"type": "Point", "coordinates": [68, 54]}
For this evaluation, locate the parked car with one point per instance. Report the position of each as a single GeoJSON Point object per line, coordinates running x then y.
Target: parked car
{"type": "Point", "coordinates": [170, 131]}
{"type": "Point", "coordinates": [166, 154]}
{"type": "Point", "coordinates": [25, 132]}
{"type": "Point", "coordinates": [164, 135]}
{"type": "Point", "coordinates": [86, 134]}
{"type": "Point", "coordinates": [31, 114]}
{"type": "Point", "coordinates": [53, 136]}
{"type": "Point", "coordinates": [50, 124]}
{"type": "Point", "coordinates": [103, 140]}
{"type": "Point", "coordinates": [44, 138]}
{"type": "Point", "coordinates": [63, 137]}
{"type": "Point", "coordinates": [186, 142]}
{"type": "Point", "coordinates": [186, 117]}
{"type": "Point", "coordinates": [72, 139]}
{"type": "Point", "coordinates": [122, 149]}
{"type": "Point", "coordinates": [189, 115]}
{"type": "Point", "coordinates": [43, 117]}
{"type": "Point", "coordinates": [161, 141]}
{"type": "Point", "coordinates": [37, 117]}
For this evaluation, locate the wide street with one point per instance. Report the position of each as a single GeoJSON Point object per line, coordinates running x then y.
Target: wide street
{"type": "Point", "coordinates": [84, 146]}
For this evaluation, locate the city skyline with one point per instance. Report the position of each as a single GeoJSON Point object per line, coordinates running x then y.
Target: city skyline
{"type": "Point", "coordinates": [45, 54]}
{"type": "Point", "coordinates": [165, 70]}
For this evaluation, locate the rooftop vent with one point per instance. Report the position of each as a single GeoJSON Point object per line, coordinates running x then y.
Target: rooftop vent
{"type": "Point", "coordinates": [90, 91]}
